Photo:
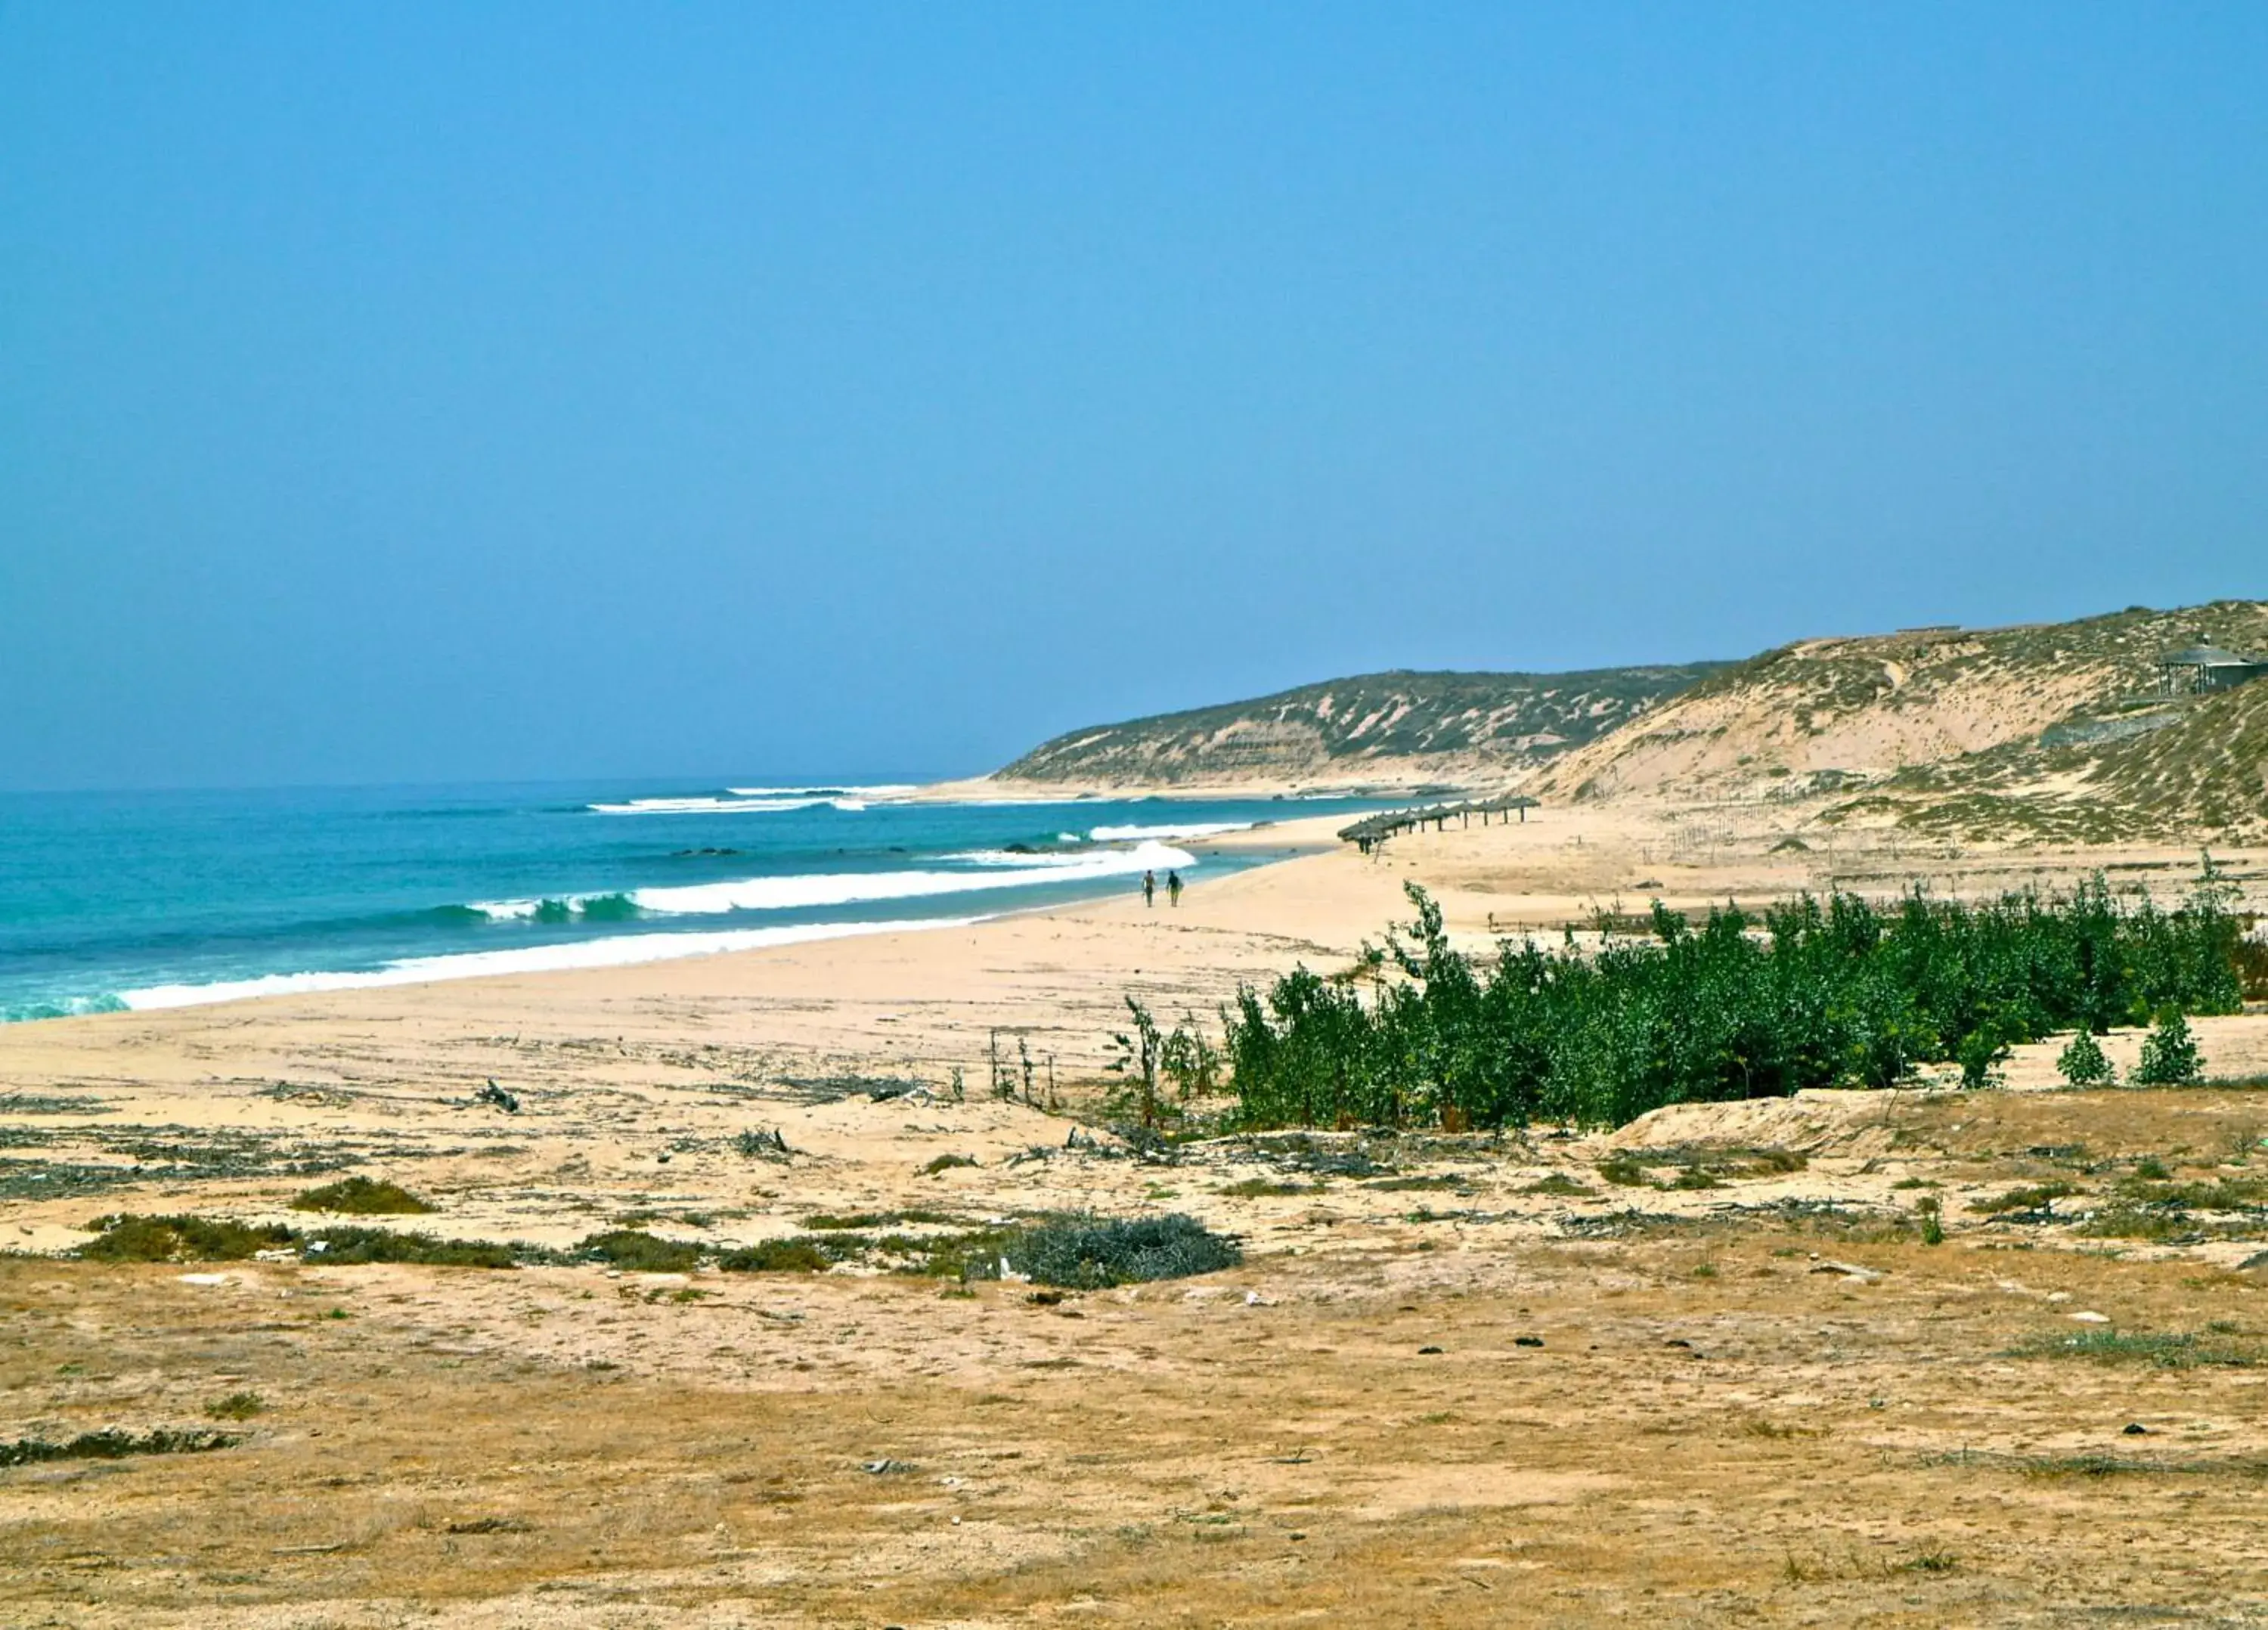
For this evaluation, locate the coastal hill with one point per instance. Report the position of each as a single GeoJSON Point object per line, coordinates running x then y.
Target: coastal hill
{"type": "Point", "coordinates": [1391, 727]}
{"type": "Point", "coordinates": [1923, 715]}
{"type": "Point", "coordinates": [2189, 766]}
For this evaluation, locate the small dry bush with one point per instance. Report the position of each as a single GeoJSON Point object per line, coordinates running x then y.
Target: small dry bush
{"type": "Point", "coordinates": [639, 1251]}
{"type": "Point", "coordinates": [1558, 1182]}
{"type": "Point", "coordinates": [363, 1197]}
{"type": "Point", "coordinates": [113, 1446]}
{"type": "Point", "coordinates": [776, 1256]}
{"type": "Point", "coordinates": [129, 1238]}
{"type": "Point", "coordinates": [2030, 1198]}
{"type": "Point", "coordinates": [1095, 1253]}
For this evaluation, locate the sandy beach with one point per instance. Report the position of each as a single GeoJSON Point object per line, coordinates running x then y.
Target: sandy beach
{"type": "Point", "coordinates": [1457, 1372]}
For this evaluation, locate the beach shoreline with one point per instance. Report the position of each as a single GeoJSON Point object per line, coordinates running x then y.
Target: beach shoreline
{"type": "Point", "coordinates": [627, 1414]}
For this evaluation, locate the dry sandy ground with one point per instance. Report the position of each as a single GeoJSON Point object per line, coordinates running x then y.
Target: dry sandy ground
{"type": "Point", "coordinates": [1758, 1395]}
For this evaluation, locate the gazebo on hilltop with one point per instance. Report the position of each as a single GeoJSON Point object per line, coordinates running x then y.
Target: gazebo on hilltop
{"type": "Point", "coordinates": [2202, 669]}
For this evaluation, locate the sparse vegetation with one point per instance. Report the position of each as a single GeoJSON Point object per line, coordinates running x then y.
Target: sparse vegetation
{"type": "Point", "coordinates": [113, 1446]}
{"type": "Point", "coordinates": [642, 1252]}
{"type": "Point", "coordinates": [790, 1256]}
{"type": "Point", "coordinates": [182, 1239]}
{"type": "Point", "coordinates": [1558, 1182]}
{"type": "Point", "coordinates": [346, 1247]}
{"type": "Point", "coordinates": [2161, 1351]}
{"type": "Point", "coordinates": [825, 1221]}
{"type": "Point", "coordinates": [363, 1197]}
{"type": "Point", "coordinates": [1094, 1253]}
{"type": "Point", "coordinates": [2030, 1197]}
{"type": "Point", "coordinates": [236, 1407]}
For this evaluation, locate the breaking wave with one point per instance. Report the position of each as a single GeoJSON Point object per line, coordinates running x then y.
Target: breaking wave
{"type": "Point", "coordinates": [992, 868]}
{"type": "Point", "coordinates": [1196, 828]}
{"type": "Point", "coordinates": [622, 951]}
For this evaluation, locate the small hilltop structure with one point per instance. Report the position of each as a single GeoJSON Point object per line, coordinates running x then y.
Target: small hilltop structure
{"type": "Point", "coordinates": [2200, 670]}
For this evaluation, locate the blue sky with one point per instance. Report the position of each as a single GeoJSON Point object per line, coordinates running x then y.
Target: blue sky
{"type": "Point", "coordinates": [415, 392]}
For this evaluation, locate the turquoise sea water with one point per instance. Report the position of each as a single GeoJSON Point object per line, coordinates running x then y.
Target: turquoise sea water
{"type": "Point", "coordinates": [150, 900]}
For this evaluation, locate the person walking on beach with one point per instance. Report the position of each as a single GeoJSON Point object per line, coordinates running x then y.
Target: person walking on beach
{"type": "Point", "coordinates": [1174, 887]}
{"type": "Point", "coordinates": [1149, 888]}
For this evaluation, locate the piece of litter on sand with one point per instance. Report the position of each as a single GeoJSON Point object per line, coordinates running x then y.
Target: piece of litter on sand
{"type": "Point", "coordinates": [204, 1279]}
{"type": "Point", "coordinates": [1253, 1299]}
{"type": "Point", "coordinates": [1849, 1271]}
{"type": "Point", "coordinates": [2135, 1428]}
{"type": "Point", "coordinates": [2092, 1317]}
{"type": "Point", "coordinates": [888, 1468]}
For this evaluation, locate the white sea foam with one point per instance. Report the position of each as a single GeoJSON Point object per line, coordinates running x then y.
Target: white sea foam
{"type": "Point", "coordinates": [1002, 868]}
{"type": "Point", "coordinates": [822, 889]}
{"type": "Point", "coordinates": [1018, 857]}
{"type": "Point", "coordinates": [621, 951]}
{"type": "Point", "coordinates": [706, 805]}
{"type": "Point", "coordinates": [1195, 829]}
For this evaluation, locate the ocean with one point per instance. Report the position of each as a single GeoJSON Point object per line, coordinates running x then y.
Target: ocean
{"type": "Point", "coordinates": [147, 900]}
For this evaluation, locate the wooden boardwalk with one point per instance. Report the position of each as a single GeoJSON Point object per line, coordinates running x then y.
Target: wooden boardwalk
{"type": "Point", "coordinates": [1375, 830]}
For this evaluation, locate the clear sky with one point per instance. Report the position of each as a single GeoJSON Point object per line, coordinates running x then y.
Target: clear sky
{"type": "Point", "coordinates": [400, 392]}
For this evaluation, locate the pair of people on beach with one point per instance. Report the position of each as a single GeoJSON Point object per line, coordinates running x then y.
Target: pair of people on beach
{"type": "Point", "coordinates": [1150, 888]}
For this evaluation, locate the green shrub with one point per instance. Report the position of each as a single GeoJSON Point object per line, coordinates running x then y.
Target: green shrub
{"type": "Point", "coordinates": [2170, 1055]}
{"type": "Point", "coordinates": [236, 1407]}
{"type": "Point", "coordinates": [636, 1249]}
{"type": "Point", "coordinates": [1933, 1220]}
{"type": "Point", "coordinates": [363, 1197]}
{"type": "Point", "coordinates": [346, 1247]}
{"type": "Point", "coordinates": [1808, 994]}
{"type": "Point", "coordinates": [182, 1239]}
{"type": "Point", "coordinates": [1094, 1253]}
{"type": "Point", "coordinates": [776, 1256]}
{"type": "Point", "coordinates": [2084, 1063]}
{"type": "Point", "coordinates": [113, 1445]}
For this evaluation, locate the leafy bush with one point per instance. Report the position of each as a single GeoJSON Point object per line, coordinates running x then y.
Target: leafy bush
{"type": "Point", "coordinates": [1808, 994]}
{"type": "Point", "coordinates": [2084, 1064]}
{"type": "Point", "coordinates": [1094, 1253]}
{"type": "Point", "coordinates": [363, 1197]}
{"type": "Point", "coordinates": [2170, 1055]}
{"type": "Point", "coordinates": [236, 1407]}
{"type": "Point", "coordinates": [2251, 959]}
{"type": "Point", "coordinates": [638, 1250]}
